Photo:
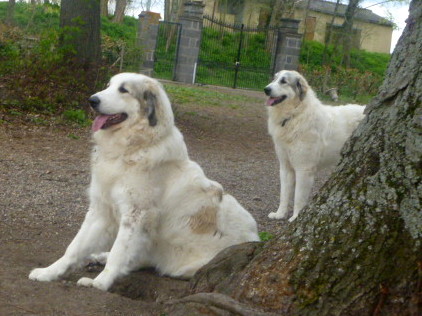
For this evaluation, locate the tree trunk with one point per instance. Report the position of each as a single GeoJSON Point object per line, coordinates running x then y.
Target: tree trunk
{"type": "Point", "coordinates": [119, 13]}
{"type": "Point", "coordinates": [104, 7]}
{"type": "Point", "coordinates": [10, 18]}
{"type": "Point", "coordinates": [356, 249]}
{"type": "Point", "coordinates": [80, 27]}
{"type": "Point", "coordinates": [167, 10]}
{"type": "Point", "coordinates": [325, 59]}
{"type": "Point", "coordinates": [347, 29]}
{"type": "Point", "coordinates": [281, 9]}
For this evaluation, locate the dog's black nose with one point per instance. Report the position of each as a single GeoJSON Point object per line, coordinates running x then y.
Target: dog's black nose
{"type": "Point", "coordinates": [267, 90]}
{"type": "Point", "coordinates": [94, 102]}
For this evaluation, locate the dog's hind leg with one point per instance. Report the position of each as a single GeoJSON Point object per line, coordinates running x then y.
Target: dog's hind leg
{"type": "Point", "coordinates": [94, 236]}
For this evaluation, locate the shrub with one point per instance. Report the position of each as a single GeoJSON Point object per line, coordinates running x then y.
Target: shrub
{"type": "Point", "coordinates": [35, 76]}
{"type": "Point", "coordinates": [356, 84]}
{"type": "Point", "coordinates": [77, 116]}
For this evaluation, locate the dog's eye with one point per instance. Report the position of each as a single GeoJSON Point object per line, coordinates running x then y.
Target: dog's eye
{"type": "Point", "coordinates": [282, 80]}
{"type": "Point", "coordinates": [123, 90]}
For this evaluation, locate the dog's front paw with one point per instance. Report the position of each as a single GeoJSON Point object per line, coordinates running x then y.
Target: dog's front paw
{"type": "Point", "coordinates": [291, 219]}
{"type": "Point", "coordinates": [275, 215]}
{"type": "Point", "coordinates": [43, 275]}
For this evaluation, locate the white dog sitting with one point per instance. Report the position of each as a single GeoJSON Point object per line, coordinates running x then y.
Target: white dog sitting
{"type": "Point", "coordinates": [150, 205]}
{"type": "Point", "coordinates": [308, 136]}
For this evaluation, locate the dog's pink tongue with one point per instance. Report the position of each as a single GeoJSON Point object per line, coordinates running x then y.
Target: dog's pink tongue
{"type": "Point", "coordinates": [270, 101]}
{"type": "Point", "coordinates": [99, 122]}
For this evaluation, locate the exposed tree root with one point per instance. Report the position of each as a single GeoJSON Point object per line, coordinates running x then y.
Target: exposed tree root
{"type": "Point", "coordinates": [223, 302]}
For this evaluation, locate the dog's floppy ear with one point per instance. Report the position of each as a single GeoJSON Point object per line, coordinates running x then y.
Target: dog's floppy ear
{"type": "Point", "coordinates": [151, 101]}
{"type": "Point", "coordinates": [302, 87]}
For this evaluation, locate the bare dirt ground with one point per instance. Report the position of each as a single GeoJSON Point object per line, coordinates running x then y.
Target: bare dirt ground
{"type": "Point", "coordinates": [44, 173]}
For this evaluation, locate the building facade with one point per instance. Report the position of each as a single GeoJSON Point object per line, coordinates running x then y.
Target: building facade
{"type": "Point", "coordinates": [371, 32]}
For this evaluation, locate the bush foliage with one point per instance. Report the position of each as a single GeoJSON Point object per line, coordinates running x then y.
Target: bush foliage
{"type": "Point", "coordinates": [359, 83]}
{"type": "Point", "coordinates": [34, 72]}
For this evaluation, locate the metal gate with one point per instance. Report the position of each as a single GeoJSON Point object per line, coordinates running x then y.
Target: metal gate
{"type": "Point", "coordinates": [166, 49]}
{"type": "Point", "coordinates": [235, 55]}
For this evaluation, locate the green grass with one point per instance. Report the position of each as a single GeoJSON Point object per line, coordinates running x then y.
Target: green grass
{"type": "Point", "coordinates": [255, 79]}
{"type": "Point", "coordinates": [77, 116]}
{"type": "Point", "coordinates": [265, 236]}
{"type": "Point", "coordinates": [73, 136]}
{"type": "Point", "coordinates": [204, 97]}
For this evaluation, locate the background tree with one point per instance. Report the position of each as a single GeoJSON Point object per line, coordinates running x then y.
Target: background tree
{"type": "Point", "coordinates": [347, 30]}
{"type": "Point", "coordinates": [281, 9]}
{"type": "Point", "coordinates": [104, 7]}
{"type": "Point", "coordinates": [328, 37]}
{"type": "Point", "coordinates": [119, 12]}
{"type": "Point", "coordinates": [150, 5]}
{"type": "Point", "coordinates": [10, 19]}
{"type": "Point", "coordinates": [356, 249]}
{"type": "Point", "coordinates": [167, 7]}
{"type": "Point", "coordinates": [80, 29]}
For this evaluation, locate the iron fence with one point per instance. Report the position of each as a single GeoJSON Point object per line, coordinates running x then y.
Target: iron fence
{"type": "Point", "coordinates": [166, 49]}
{"type": "Point", "coordinates": [235, 55]}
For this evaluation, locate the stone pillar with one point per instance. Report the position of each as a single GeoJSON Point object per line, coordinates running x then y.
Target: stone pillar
{"type": "Point", "coordinates": [147, 39]}
{"type": "Point", "coordinates": [190, 39]}
{"type": "Point", "coordinates": [288, 45]}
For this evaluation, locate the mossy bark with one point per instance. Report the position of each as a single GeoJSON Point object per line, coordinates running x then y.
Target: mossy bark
{"type": "Point", "coordinates": [356, 248]}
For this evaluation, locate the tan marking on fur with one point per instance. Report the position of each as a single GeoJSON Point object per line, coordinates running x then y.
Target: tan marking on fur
{"type": "Point", "coordinates": [204, 221]}
{"type": "Point", "coordinates": [215, 191]}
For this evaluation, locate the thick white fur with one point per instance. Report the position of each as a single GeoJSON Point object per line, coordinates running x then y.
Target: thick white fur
{"type": "Point", "coordinates": [150, 205]}
{"type": "Point", "coordinates": [308, 136]}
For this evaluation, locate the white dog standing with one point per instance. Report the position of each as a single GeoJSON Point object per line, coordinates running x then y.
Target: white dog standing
{"type": "Point", "coordinates": [308, 136]}
{"type": "Point", "coordinates": [150, 205]}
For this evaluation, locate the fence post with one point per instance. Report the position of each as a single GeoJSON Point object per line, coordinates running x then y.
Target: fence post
{"type": "Point", "coordinates": [147, 38]}
{"type": "Point", "coordinates": [288, 46]}
{"type": "Point", "coordinates": [190, 39]}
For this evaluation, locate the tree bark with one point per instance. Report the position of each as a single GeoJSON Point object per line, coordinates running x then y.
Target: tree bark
{"type": "Point", "coordinates": [80, 26]}
{"type": "Point", "coordinates": [119, 13]}
{"type": "Point", "coordinates": [356, 249]}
